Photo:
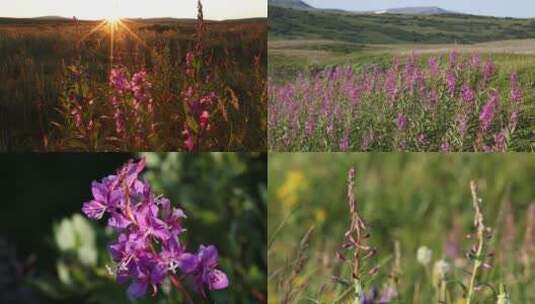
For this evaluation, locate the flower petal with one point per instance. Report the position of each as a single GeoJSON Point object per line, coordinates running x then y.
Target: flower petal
{"type": "Point", "coordinates": [99, 191]}
{"type": "Point", "coordinates": [217, 279]}
{"type": "Point", "coordinates": [118, 221]}
{"type": "Point", "coordinates": [94, 209]}
{"type": "Point", "coordinates": [137, 289]}
{"type": "Point", "coordinates": [188, 262]}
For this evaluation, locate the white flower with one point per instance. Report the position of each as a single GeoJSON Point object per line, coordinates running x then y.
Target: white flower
{"type": "Point", "coordinates": [441, 268]}
{"type": "Point", "coordinates": [424, 255]}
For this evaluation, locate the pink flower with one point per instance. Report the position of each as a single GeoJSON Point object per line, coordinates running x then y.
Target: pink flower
{"type": "Point", "coordinates": [188, 139]}
{"type": "Point", "coordinates": [203, 119]}
{"type": "Point", "coordinates": [401, 121]}
{"type": "Point", "coordinates": [487, 114]}
{"type": "Point", "coordinates": [344, 143]}
{"type": "Point", "coordinates": [467, 93]}
{"type": "Point", "coordinates": [475, 61]}
{"type": "Point", "coordinates": [451, 82]}
{"type": "Point", "coordinates": [516, 91]}
{"type": "Point", "coordinates": [488, 70]}
{"type": "Point", "coordinates": [119, 80]}
{"type": "Point", "coordinates": [433, 66]}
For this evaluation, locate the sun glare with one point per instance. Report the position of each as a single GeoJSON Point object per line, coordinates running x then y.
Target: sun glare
{"type": "Point", "coordinates": [113, 18]}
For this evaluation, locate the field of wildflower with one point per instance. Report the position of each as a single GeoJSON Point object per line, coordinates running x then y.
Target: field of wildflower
{"type": "Point", "coordinates": [133, 85]}
{"type": "Point", "coordinates": [146, 228]}
{"type": "Point", "coordinates": [401, 228]}
{"type": "Point", "coordinates": [418, 102]}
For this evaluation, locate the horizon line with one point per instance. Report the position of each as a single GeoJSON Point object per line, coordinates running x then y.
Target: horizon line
{"type": "Point", "coordinates": [104, 18]}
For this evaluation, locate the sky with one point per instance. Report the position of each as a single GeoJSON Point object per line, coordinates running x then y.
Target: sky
{"type": "Point", "coordinates": [501, 8]}
{"type": "Point", "coordinates": [99, 9]}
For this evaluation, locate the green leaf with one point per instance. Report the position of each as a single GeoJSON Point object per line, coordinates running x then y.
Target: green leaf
{"type": "Point", "coordinates": [64, 235]}
{"type": "Point", "coordinates": [85, 234]}
{"type": "Point", "coordinates": [64, 273]}
{"type": "Point", "coordinates": [88, 255]}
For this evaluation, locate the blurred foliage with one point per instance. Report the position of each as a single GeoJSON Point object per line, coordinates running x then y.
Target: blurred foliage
{"type": "Point", "coordinates": [414, 198]}
{"type": "Point", "coordinates": [223, 195]}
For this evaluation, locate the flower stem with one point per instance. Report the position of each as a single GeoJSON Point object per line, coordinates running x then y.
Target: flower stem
{"type": "Point", "coordinates": [478, 223]}
{"type": "Point", "coordinates": [179, 286]}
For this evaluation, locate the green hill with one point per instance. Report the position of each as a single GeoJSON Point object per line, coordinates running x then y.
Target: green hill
{"type": "Point", "coordinates": [295, 4]}
{"type": "Point", "coordinates": [287, 23]}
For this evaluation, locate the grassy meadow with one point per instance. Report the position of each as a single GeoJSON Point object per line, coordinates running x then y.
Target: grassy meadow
{"type": "Point", "coordinates": [419, 217]}
{"type": "Point", "coordinates": [302, 53]}
{"type": "Point", "coordinates": [56, 87]}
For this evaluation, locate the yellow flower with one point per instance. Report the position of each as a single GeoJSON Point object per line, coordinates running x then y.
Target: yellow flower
{"type": "Point", "coordinates": [289, 192]}
{"type": "Point", "coordinates": [320, 215]}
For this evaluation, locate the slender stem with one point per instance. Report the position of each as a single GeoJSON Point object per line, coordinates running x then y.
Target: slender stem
{"type": "Point", "coordinates": [477, 265]}
{"type": "Point", "coordinates": [179, 286]}
{"type": "Point", "coordinates": [480, 226]}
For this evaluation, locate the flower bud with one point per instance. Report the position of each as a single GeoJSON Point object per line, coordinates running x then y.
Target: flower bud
{"type": "Point", "coordinates": [424, 255]}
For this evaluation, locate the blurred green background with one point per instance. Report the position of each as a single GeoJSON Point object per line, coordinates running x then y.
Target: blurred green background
{"type": "Point", "coordinates": [48, 254]}
{"type": "Point", "coordinates": [417, 199]}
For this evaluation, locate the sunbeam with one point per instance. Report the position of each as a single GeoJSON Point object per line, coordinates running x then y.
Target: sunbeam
{"type": "Point", "coordinates": [113, 25]}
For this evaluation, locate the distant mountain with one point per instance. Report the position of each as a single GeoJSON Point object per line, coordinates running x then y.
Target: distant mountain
{"type": "Point", "coordinates": [162, 20]}
{"type": "Point", "coordinates": [421, 10]}
{"type": "Point", "coordinates": [51, 18]}
{"type": "Point", "coordinates": [371, 28]}
{"type": "Point", "coordinates": [295, 4]}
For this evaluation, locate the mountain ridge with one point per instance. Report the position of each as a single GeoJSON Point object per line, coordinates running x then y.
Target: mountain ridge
{"type": "Point", "coordinates": [410, 10]}
{"type": "Point", "coordinates": [416, 10]}
{"type": "Point", "coordinates": [294, 4]}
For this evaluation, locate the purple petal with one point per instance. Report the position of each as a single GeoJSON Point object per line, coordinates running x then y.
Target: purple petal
{"type": "Point", "coordinates": [118, 221]}
{"type": "Point", "coordinates": [208, 256]}
{"type": "Point", "coordinates": [137, 289]}
{"type": "Point", "coordinates": [116, 250]}
{"type": "Point", "coordinates": [188, 262]}
{"type": "Point", "coordinates": [94, 209]}
{"type": "Point", "coordinates": [99, 191]}
{"type": "Point", "coordinates": [115, 198]}
{"type": "Point", "coordinates": [178, 213]}
{"type": "Point", "coordinates": [158, 274]}
{"type": "Point", "coordinates": [159, 229]}
{"type": "Point", "coordinates": [133, 170]}
{"type": "Point", "coordinates": [217, 279]}
{"type": "Point", "coordinates": [122, 277]}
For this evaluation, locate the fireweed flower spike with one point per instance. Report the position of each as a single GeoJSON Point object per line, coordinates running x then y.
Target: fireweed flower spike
{"type": "Point", "coordinates": [478, 252]}
{"type": "Point", "coordinates": [148, 249]}
{"type": "Point", "coordinates": [355, 239]}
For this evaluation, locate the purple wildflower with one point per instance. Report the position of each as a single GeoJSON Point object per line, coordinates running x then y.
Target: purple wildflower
{"type": "Point", "coordinates": [188, 139]}
{"type": "Point", "coordinates": [467, 93]}
{"type": "Point", "coordinates": [475, 61]}
{"type": "Point", "coordinates": [453, 58]}
{"type": "Point", "coordinates": [390, 85]}
{"type": "Point", "coordinates": [513, 120]}
{"type": "Point", "coordinates": [516, 91]}
{"type": "Point", "coordinates": [206, 273]}
{"type": "Point", "coordinates": [488, 70]}
{"type": "Point", "coordinates": [148, 247]}
{"type": "Point", "coordinates": [119, 80]}
{"type": "Point", "coordinates": [140, 86]}
{"type": "Point", "coordinates": [499, 142]}
{"type": "Point", "coordinates": [487, 114]}
{"type": "Point", "coordinates": [344, 143]}
{"type": "Point", "coordinates": [451, 82]}
{"type": "Point", "coordinates": [433, 66]}
{"type": "Point", "coordinates": [401, 121]}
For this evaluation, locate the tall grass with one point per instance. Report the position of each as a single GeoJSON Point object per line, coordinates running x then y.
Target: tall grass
{"type": "Point", "coordinates": [437, 241]}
